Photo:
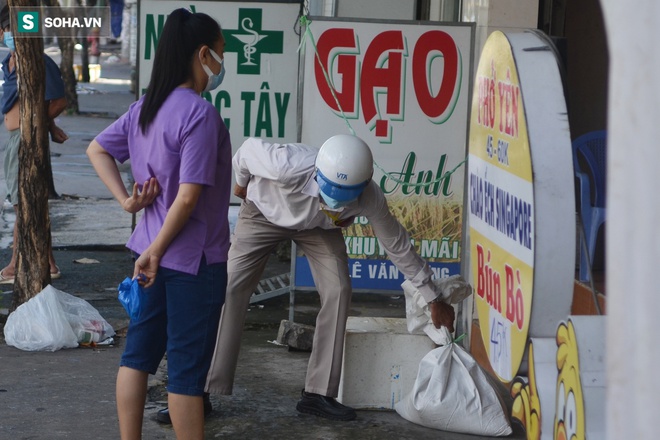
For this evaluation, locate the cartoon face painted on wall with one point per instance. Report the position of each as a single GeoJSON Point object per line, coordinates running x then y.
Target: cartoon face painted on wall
{"type": "Point", "coordinates": [569, 414]}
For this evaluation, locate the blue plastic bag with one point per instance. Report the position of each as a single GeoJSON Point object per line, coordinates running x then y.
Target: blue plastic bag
{"type": "Point", "coordinates": [130, 293]}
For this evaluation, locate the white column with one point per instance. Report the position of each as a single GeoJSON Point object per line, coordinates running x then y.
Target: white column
{"type": "Point", "coordinates": [633, 239]}
{"type": "Point", "coordinates": [503, 15]}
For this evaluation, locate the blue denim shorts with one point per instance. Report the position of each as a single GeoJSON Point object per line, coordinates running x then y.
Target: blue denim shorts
{"type": "Point", "coordinates": [180, 316]}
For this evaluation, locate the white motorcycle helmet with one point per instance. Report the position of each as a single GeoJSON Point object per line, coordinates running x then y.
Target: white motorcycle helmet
{"type": "Point", "coordinates": [344, 167]}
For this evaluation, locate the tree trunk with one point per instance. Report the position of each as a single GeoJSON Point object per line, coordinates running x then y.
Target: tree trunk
{"type": "Point", "coordinates": [68, 75]}
{"type": "Point", "coordinates": [33, 221]}
{"type": "Point", "coordinates": [66, 42]}
{"type": "Point", "coordinates": [84, 55]}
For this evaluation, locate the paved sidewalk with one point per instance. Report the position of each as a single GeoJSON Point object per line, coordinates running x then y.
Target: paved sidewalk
{"type": "Point", "coordinates": [70, 394]}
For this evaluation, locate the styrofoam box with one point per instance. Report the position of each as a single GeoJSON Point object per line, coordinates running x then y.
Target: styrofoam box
{"type": "Point", "coordinates": [381, 360]}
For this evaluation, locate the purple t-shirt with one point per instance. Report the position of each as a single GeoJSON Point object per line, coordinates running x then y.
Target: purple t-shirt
{"type": "Point", "coordinates": [187, 142]}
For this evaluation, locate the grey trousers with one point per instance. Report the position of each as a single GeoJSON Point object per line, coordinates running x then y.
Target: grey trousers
{"type": "Point", "coordinates": [254, 240]}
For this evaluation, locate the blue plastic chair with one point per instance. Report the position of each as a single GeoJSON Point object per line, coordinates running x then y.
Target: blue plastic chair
{"type": "Point", "coordinates": [590, 162]}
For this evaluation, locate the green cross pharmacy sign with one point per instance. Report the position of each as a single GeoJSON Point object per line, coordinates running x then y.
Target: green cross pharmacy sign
{"type": "Point", "coordinates": [250, 41]}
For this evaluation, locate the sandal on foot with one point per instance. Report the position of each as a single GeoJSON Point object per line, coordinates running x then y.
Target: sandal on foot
{"type": "Point", "coordinates": [6, 279]}
{"type": "Point", "coordinates": [55, 275]}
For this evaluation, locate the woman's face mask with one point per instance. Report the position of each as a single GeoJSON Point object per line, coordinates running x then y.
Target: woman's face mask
{"type": "Point", "coordinates": [214, 80]}
{"type": "Point", "coordinates": [9, 41]}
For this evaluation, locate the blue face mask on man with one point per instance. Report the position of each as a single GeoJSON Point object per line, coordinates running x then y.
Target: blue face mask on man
{"type": "Point", "coordinates": [9, 41]}
{"type": "Point", "coordinates": [332, 203]}
{"type": "Point", "coordinates": [214, 80]}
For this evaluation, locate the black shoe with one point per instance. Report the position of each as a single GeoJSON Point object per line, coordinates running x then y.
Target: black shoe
{"type": "Point", "coordinates": [324, 406]}
{"type": "Point", "coordinates": [163, 416]}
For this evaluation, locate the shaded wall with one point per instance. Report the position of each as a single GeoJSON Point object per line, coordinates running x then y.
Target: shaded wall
{"type": "Point", "coordinates": [587, 66]}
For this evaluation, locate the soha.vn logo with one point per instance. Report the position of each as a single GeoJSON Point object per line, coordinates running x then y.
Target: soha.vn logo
{"type": "Point", "coordinates": [29, 22]}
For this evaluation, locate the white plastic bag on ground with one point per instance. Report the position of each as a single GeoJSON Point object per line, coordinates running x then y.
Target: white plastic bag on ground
{"type": "Point", "coordinates": [86, 322]}
{"type": "Point", "coordinates": [452, 393]}
{"type": "Point", "coordinates": [418, 314]}
{"type": "Point", "coordinates": [52, 320]}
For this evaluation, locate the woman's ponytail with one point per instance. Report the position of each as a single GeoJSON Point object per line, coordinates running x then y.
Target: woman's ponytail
{"type": "Point", "coordinates": [182, 34]}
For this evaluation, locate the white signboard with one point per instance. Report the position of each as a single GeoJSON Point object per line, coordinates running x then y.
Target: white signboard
{"type": "Point", "coordinates": [403, 87]}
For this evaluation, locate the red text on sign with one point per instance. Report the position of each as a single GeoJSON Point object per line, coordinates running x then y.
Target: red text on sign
{"type": "Point", "coordinates": [489, 288]}
{"type": "Point", "coordinates": [374, 79]}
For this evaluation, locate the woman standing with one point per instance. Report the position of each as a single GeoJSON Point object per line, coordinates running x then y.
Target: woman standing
{"type": "Point", "coordinates": [180, 149]}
